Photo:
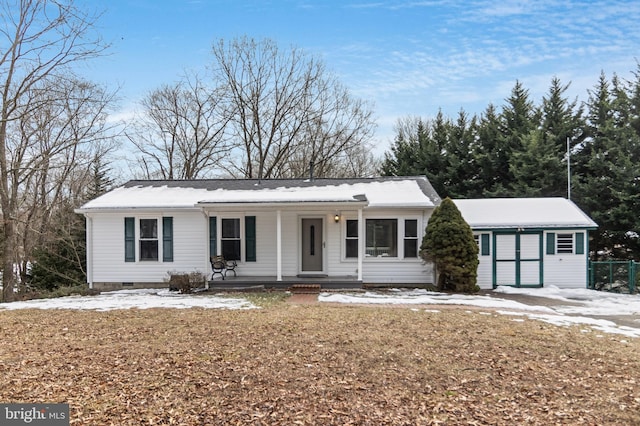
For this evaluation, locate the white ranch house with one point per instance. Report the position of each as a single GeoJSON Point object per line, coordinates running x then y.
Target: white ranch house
{"type": "Point", "coordinates": [278, 231]}
{"type": "Point", "coordinates": [296, 231]}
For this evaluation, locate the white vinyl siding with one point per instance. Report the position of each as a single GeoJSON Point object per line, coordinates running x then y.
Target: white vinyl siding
{"type": "Point", "coordinates": [565, 270]}
{"type": "Point", "coordinates": [191, 247]}
{"type": "Point", "coordinates": [189, 254]}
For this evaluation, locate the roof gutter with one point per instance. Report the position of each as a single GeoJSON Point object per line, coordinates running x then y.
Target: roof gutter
{"type": "Point", "coordinates": [280, 204]}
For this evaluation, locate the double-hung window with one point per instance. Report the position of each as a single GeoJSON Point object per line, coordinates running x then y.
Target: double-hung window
{"type": "Point", "coordinates": [352, 238]}
{"type": "Point", "coordinates": [410, 238]}
{"type": "Point", "coordinates": [148, 239]}
{"type": "Point", "coordinates": [230, 238]}
{"type": "Point", "coordinates": [148, 233]}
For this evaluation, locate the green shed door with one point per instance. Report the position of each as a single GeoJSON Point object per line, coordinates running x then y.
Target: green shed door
{"type": "Point", "coordinates": [518, 259]}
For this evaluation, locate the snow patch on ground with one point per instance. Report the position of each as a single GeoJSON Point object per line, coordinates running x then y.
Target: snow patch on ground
{"type": "Point", "coordinates": [133, 299]}
{"type": "Point", "coordinates": [424, 297]}
{"type": "Point", "coordinates": [582, 305]}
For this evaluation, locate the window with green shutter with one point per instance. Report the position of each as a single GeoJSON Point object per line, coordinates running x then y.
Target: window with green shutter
{"type": "Point", "coordinates": [484, 245]}
{"type": "Point", "coordinates": [213, 245]}
{"type": "Point", "coordinates": [551, 243]}
{"type": "Point", "coordinates": [167, 239]}
{"type": "Point", "coordinates": [129, 239]}
{"type": "Point", "coordinates": [579, 243]}
{"type": "Point", "coordinates": [250, 238]}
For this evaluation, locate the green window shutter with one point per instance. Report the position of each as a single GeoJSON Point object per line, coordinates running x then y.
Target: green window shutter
{"type": "Point", "coordinates": [167, 239]}
{"type": "Point", "coordinates": [213, 245]}
{"type": "Point", "coordinates": [129, 239]}
{"type": "Point", "coordinates": [250, 238]}
{"type": "Point", "coordinates": [551, 243]}
{"type": "Point", "coordinates": [484, 244]}
{"type": "Point", "coordinates": [579, 243]}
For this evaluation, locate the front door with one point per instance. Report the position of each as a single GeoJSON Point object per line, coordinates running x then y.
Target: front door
{"type": "Point", "coordinates": [518, 259]}
{"type": "Point", "coordinates": [312, 245]}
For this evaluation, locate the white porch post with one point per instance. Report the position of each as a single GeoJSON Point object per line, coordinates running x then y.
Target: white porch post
{"type": "Point", "coordinates": [279, 245]}
{"type": "Point", "coordinates": [361, 241]}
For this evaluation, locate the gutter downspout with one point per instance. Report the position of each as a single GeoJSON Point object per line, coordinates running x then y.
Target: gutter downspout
{"type": "Point", "coordinates": [89, 243]}
{"type": "Point", "coordinates": [206, 244]}
{"type": "Point", "coordinates": [361, 239]}
{"type": "Point", "coordinates": [279, 245]}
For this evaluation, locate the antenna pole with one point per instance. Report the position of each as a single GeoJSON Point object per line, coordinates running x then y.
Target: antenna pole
{"type": "Point", "coordinates": [568, 170]}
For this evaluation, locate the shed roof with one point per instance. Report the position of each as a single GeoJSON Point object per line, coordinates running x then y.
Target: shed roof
{"type": "Point", "coordinates": [413, 191]}
{"type": "Point", "coordinates": [496, 213]}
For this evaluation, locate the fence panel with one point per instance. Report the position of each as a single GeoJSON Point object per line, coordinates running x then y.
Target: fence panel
{"type": "Point", "coordinates": [619, 276]}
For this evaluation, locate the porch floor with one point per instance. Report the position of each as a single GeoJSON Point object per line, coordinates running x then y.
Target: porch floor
{"type": "Point", "coordinates": [270, 282]}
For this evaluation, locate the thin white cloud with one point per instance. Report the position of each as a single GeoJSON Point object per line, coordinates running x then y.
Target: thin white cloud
{"type": "Point", "coordinates": [506, 41]}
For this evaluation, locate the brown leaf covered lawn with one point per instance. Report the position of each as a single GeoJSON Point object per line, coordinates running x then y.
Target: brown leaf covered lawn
{"type": "Point", "coordinates": [316, 364]}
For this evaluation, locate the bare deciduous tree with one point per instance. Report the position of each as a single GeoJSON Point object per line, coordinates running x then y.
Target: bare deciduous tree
{"type": "Point", "coordinates": [337, 142]}
{"type": "Point", "coordinates": [41, 40]}
{"type": "Point", "coordinates": [181, 132]}
{"type": "Point", "coordinates": [57, 144]}
{"type": "Point", "coordinates": [287, 110]}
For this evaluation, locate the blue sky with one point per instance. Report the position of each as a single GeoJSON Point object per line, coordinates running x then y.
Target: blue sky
{"type": "Point", "coordinates": [408, 57]}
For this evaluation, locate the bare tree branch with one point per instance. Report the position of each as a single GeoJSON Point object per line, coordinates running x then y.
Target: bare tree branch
{"type": "Point", "coordinates": [181, 133]}
{"type": "Point", "coordinates": [43, 39]}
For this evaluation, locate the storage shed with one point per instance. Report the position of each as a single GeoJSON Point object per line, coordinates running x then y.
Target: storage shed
{"type": "Point", "coordinates": [529, 242]}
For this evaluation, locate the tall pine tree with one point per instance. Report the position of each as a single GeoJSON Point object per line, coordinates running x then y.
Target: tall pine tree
{"type": "Point", "coordinates": [61, 261]}
{"type": "Point", "coordinates": [606, 170]}
{"type": "Point", "coordinates": [540, 168]}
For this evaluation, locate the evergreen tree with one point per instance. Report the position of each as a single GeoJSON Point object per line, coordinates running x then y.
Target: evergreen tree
{"type": "Point", "coordinates": [521, 150]}
{"type": "Point", "coordinates": [61, 261]}
{"type": "Point", "coordinates": [540, 168]}
{"type": "Point", "coordinates": [634, 102]}
{"type": "Point", "coordinates": [462, 169]}
{"type": "Point", "coordinates": [487, 144]}
{"type": "Point", "coordinates": [404, 159]}
{"type": "Point", "coordinates": [435, 154]}
{"type": "Point", "coordinates": [421, 149]}
{"type": "Point", "coordinates": [100, 181]}
{"type": "Point", "coordinates": [449, 243]}
{"type": "Point", "coordinates": [561, 119]}
{"type": "Point", "coordinates": [606, 170]}
{"type": "Point", "coordinates": [537, 170]}
{"type": "Point", "coordinates": [518, 120]}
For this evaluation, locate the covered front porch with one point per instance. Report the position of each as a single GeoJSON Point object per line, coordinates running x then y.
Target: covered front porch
{"type": "Point", "coordinates": [278, 243]}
